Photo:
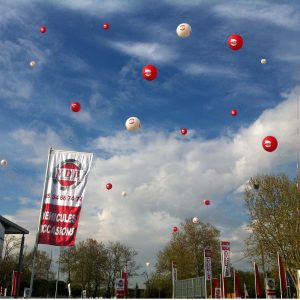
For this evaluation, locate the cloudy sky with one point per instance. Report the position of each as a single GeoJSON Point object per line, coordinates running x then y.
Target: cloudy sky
{"type": "Point", "coordinates": [200, 79]}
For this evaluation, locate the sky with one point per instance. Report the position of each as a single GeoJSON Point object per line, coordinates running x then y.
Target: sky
{"type": "Point", "coordinates": [200, 80]}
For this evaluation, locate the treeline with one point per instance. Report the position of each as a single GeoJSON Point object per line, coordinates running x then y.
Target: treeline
{"type": "Point", "coordinates": [87, 266]}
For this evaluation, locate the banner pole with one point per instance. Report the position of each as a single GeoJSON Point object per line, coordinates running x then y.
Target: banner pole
{"type": "Point", "coordinates": [204, 259]}
{"type": "Point", "coordinates": [234, 282]}
{"type": "Point", "coordinates": [279, 274]}
{"type": "Point", "coordinates": [35, 248]}
{"type": "Point", "coordinates": [57, 278]}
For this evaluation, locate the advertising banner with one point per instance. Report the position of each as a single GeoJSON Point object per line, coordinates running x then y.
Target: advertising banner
{"type": "Point", "coordinates": [225, 252]}
{"type": "Point", "coordinates": [65, 183]}
{"type": "Point", "coordinates": [270, 288]}
{"type": "Point", "coordinates": [207, 264]}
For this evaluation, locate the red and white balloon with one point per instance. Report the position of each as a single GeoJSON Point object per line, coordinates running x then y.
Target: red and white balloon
{"type": "Point", "coordinates": [4, 163]}
{"type": "Point", "coordinates": [184, 30]}
{"type": "Point", "coordinates": [149, 72]}
{"type": "Point", "coordinates": [235, 42]}
{"type": "Point", "coordinates": [75, 106]}
{"type": "Point", "coordinates": [270, 143]}
{"type": "Point", "coordinates": [196, 220]}
{"type": "Point", "coordinates": [105, 26]}
{"type": "Point", "coordinates": [175, 229]}
{"type": "Point", "coordinates": [183, 131]}
{"type": "Point", "coordinates": [132, 124]}
{"type": "Point", "coordinates": [233, 112]}
{"type": "Point", "coordinates": [43, 29]}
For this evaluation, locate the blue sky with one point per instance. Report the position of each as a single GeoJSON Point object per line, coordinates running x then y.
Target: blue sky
{"type": "Point", "coordinates": [200, 79]}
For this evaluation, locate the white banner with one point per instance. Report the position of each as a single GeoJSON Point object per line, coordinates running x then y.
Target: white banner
{"type": "Point", "coordinates": [65, 183]}
{"type": "Point", "coordinates": [120, 284]}
{"type": "Point", "coordinates": [207, 264]}
{"type": "Point", "coordinates": [225, 251]}
{"type": "Point", "coordinates": [174, 270]}
{"type": "Point", "coordinates": [270, 288]}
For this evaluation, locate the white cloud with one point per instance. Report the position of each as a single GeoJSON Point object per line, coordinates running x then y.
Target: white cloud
{"type": "Point", "coordinates": [151, 51]}
{"type": "Point", "coordinates": [197, 69]}
{"type": "Point", "coordinates": [277, 14]}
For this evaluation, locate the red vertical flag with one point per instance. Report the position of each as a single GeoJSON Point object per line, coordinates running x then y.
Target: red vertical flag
{"type": "Point", "coordinates": [258, 289]}
{"type": "Point", "coordinates": [15, 279]}
{"type": "Point", "coordinates": [124, 276]}
{"type": "Point", "coordinates": [237, 285]}
{"type": "Point", "coordinates": [214, 285]}
{"type": "Point", "coordinates": [282, 274]}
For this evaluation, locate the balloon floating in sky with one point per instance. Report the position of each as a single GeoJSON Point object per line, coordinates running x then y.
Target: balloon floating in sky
{"type": "Point", "coordinates": [269, 143]}
{"type": "Point", "coordinates": [33, 63]}
{"type": "Point", "coordinates": [175, 229]}
{"type": "Point", "coordinates": [196, 220]}
{"type": "Point", "coordinates": [4, 163]}
{"type": "Point", "coordinates": [124, 194]}
{"type": "Point", "coordinates": [233, 112]}
{"type": "Point", "coordinates": [43, 29]}
{"type": "Point", "coordinates": [235, 42]}
{"type": "Point", "coordinates": [263, 61]}
{"type": "Point", "coordinates": [183, 131]}
{"type": "Point", "coordinates": [206, 202]}
{"type": "Point", "coordinates": [147, 264]}
{"type": "Point", "coordinates": [109, 186]}
{"type": "Point", "coordinates": [75, 106]}
{"type": "Point", "coordinates": [132, 124]}
{"type": "Point", "coordinates": [149, 72]}
{"type": "Point", "coordinates": [184, 30]}
{"type": "Point", "coordinates": [105, 26]}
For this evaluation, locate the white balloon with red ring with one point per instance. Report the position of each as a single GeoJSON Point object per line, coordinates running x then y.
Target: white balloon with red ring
{"type": "Point", "coordinates": [196, 220]}
{"type": "Point", "coordinates": [184, 30]}
{"type": "Point", "coordinates": [132, 124]}
{"type": "Point", "coordinates": [33, 64]}
{"type": "Point", "coordinates": [263, 61]}
{"type": "Point", "coordinates": [124, 194]}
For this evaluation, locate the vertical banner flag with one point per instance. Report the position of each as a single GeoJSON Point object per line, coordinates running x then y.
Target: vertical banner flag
{"type": "Point", "coordinates": [270, 288]}
{"type": "Point", "coordinates": [65, 183]}
{"type": "Point", "coordinates": [258, 289]}
{"type": "Point", "coordinates": [120, 288]}
{"type": "Point", "coordinates": [237, 286]}
{"type": "Point", "coordinates": [207, 264]}
{"type": "Point", "coordinates": [125, 277]}
{"type": "Point", "coordinates": [214, 286]}
{"type": "Point", "coordinates": [282, 274]}
{"type": "Point", "coordinates": [225, 253]}
{"type": "Point", "coordinates": [15, 278]}
{"type": "Point", "coordinates": [174, 270]}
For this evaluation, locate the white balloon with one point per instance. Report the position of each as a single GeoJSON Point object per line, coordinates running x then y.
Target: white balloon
{"type": "Point", "coordinates": [33, 63]}
{"type": "Point", "coordinates": [147, 264]}
{"type": "Point", "coordinates": [132, 124]}
{"type": "Point", "coordinates": [4, 163]}
{"type": "Point", "coordinates": [124, 194]}
{"type": "Point", "coordinates": [184, 30]}
{"type": "Point", "coordinates": [196, 220]}
{"type": "Point", "coordinates": [263, 61]}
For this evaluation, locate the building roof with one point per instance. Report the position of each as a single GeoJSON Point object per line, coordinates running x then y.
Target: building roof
{"type": "Point", "coordinates": [12, 228]}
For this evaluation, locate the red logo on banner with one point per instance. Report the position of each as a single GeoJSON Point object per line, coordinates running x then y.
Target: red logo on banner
{"type": "Point", "coordinates": [68, 174]}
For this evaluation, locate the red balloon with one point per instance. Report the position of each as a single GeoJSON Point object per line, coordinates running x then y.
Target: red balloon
{"type": "Point", "coordinates": [233, 112]}
{"type": "Point", "coordinates": [149, 72]}
{"type": "Point", "coordinates": [183, 131]}
{"type": "Point", "coordinates": [75, 106]}
{"type": "Point", "coordinates": [175, 229]}
{"type": "Point", "coordinates": [109, 186]}
{"type": "Point", "coordinates": [206, 202]}
{"type": "Point", "coordinates": [43, 29]}
{"type": "Point", "coordinates": [235, 42]}
{"type": "Point", "coordinates": [269, 143]}
{"type": "Point", "coordinates": [105, 26]}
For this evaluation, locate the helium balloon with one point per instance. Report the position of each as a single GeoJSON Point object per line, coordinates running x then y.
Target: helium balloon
{"type": "Point", "coordinates": [149, 72]}
{"type": "Point", "coordinates": [4, 163]}
{"type": "Point", "coordinates": [184, 30]}
{"type": "Point", "coordinates": [75, 106]}
{"type": "Point", "coordinates": [109, 186]}
{"type": "Point", "coordinates": [196, 220]}
{"type": "Point", "coordinates": [105, 26]}
{"type": "Point", "coordinates": [124, 194]}
{"type": "Point", "coordinates": [269, 143]}
{"type": "Point", "coordinates": [263, 61]}
{"type": "Point", "coordinates": [183, 131]}
{"type": "Point", "coordinates": [206, 202]}
{"type": "Point", "coordinates": [43, 29]}
{"type": "Point", "coordinates": [33, 63]}
{"type": "Point", "coordinates": [147, 264]}
{"type": "Point", "coordinates": [175, 229]}
{"type": "Point", "coordinates": [235, 42]}
{"type": "Point", "coordinates": [233, 112]}
{"type": "Point", "coordinates": [132, 124]}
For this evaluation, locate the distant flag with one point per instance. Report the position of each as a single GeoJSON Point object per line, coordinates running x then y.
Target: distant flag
{"type": "Point", "coordinates": [237, 285]}
{"type": "Point", "coordinates": [282, 275]}
{"type": "Point", "coordinates": [258, 289]}
{"type": "Point", "coordinates": [246, 295]}
{"type": "Point", "coordinates": [214, 285]}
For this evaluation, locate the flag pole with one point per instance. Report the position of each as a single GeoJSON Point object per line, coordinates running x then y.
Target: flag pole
{"type": "Point", "coordinates": [279, 274]}
{"type": "Point", "coordinates": [234, 282]}
{"type": "Point", "coordinates": [255, 279]}
{"type": "Point", "coordinates": [35, 248]}
{"type": "Point", "coordinates": [57, 278]}
{"type": "Point", "coordinates": [205, 288]}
